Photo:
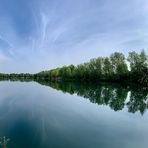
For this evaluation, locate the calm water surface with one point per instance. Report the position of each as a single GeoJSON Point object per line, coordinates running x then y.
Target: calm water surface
{"type": "Point", "coordinates": [70, 115]}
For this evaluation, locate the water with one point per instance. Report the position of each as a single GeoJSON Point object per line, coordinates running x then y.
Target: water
{"type": "Point", "coordinates": [72, 115]}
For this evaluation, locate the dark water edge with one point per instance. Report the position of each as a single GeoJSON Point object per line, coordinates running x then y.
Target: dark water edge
{"type": "Point", "coordinates": [123, 81]}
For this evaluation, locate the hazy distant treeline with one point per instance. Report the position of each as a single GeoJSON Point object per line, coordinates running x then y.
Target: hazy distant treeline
{"type": "Point", "coordinates": [14, 76]}
{"type": "Point", "coordinates": [116, 68]}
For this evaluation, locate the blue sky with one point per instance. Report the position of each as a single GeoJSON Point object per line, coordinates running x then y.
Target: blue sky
{"type": "Point", "coordinates": [37, 35]}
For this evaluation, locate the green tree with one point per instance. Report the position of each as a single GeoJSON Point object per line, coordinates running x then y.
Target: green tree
{"type": "Point", "coordinates": [119, 64]}
{"type": "Point", "coordinates": [107, 68]}
{"type": "Point", "coordinates": [138, 66]}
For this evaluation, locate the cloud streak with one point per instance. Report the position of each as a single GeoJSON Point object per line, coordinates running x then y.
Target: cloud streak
{"type": "Point", "coordinates": [37, 35]}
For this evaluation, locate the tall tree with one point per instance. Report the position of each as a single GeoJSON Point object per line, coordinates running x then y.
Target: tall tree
{"type": "Point", "coordinates": [107, 68]}
{"type": "Point", "coordinates": [139, 66]}
{"type": "Point", "coordinates": [118, 63]}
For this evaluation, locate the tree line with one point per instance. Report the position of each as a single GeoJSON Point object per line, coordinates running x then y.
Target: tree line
{"type": "Point", "coordinates": [115, 68]}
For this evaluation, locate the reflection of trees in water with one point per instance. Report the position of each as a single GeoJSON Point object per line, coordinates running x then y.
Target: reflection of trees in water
{"type": "Point", "coordinates": [4, 142]}
{"type": "Point", "coordinates": [138, 100]}
{"type": "Point", "coordinates": [113, 95]}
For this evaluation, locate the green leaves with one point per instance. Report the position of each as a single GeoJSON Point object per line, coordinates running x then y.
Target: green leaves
{"type": "Point", "coordinates": [113, 68]}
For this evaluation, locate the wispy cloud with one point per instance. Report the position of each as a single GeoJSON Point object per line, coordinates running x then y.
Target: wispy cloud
{"type": "Point", "coordinates": [45, 22]}
{"type": "Point", "coordinates": [6, 49]}
{"type": "Point", "coordinates": [4, 59]}
{"type": "Point", "coordinates": [37, 35]}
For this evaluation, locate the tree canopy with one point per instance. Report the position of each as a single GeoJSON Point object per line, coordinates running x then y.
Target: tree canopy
{"type": "Point", "coordinates": [116, 68]}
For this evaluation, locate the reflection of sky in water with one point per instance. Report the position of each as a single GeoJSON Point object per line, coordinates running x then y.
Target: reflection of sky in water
{"type": "Point", "coordinates": [37, 116]}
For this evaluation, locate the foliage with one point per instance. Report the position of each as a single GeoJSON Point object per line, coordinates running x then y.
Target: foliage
{"type": "Point", "coordinates": [113, 68]}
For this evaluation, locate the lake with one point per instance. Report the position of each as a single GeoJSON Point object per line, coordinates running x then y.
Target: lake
{"type": "Point", "coordinates": [73, 115]}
